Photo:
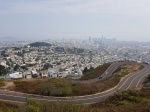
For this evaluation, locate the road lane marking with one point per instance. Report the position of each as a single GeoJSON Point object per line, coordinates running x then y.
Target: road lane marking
{"type": "Point", "coordinates": [89, 103]}
{"type": "Point", "coordinates": [125, 82]}
{"type": "Point", "coordinates": [94, 97]}
{"type": "Point", "coordinates": [131, 82]}
{"type": "Point", "coordinates": [130, 77]}
{"type": "Point", "coordinates": [135, 78]}
{"type": "Point", "coordinates": [13, 101]}
{"type": "Point", "coordinates": [140, 80]}
{"type": "Point", "coordinates": [13, 96]}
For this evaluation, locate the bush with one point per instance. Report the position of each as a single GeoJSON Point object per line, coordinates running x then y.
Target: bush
{"type": "Point", "coordinates": [54, 88]}
{"type": "Point", "coordinates": [24, 67]}
{"type": "Point", "coordinates": [2, 82]}
{"type": "Point", "coordinates": [123, 103]}
{"type": "Point", "coordinates": [3, 70]}
{"type": "Point", "coordinates": [32, 106]}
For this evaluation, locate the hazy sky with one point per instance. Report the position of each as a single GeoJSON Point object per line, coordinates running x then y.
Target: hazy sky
{"type": "Point", "coordinates": [43, 19]}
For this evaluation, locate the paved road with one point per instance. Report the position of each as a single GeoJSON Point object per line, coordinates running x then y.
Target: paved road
{"type": "Point", "coordinates": [128, 82]}
{"type": "Point", "coordinates": [107, 74]}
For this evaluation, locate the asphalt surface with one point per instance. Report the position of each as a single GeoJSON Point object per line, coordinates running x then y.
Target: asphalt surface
{"type": "Point", "coordinates": [107, 74]}
{"type": "Point", "coordinates": [130, 81]}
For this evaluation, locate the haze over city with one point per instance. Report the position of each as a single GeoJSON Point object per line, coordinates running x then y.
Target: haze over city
{"type": "Point", "coordinates": [74, 56]}
{"type": "Point", "coordinates": [79, 19]}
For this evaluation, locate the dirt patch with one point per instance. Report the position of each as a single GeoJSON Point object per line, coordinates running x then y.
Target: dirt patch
{"type": "Point", "coordinates": [8, 85]}
{"type": "Point", "coordinates": [134, 68]}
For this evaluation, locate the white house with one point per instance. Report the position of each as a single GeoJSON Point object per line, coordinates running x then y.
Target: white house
{"type": "Point", "coordinates": [34, 73]}
{"type": "Point", "coordinates": [14, 75]}
{"type": "Point", "coordinates": [53, 73]}
{"type": "Point", "coordinates": [27, 75]}
{"type": "Point", "coordinates": [44, 73]}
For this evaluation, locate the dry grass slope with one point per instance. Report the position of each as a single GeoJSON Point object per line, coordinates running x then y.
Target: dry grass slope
{"type": "Point", "coordinates": [60, 87]}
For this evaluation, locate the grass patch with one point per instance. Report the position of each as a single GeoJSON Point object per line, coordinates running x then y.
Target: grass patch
{"type": "Point", "coordinates": [8, 108]}
{"type": "Point", "coordinates": [125, 101]}
{"type": "Point", "coordinates": [145, 91]}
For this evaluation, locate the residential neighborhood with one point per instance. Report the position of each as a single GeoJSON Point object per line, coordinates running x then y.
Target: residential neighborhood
{"type": "Point", "coordinates": [67, 58]}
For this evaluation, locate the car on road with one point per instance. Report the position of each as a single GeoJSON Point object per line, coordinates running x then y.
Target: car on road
{"type": "Point", "coordinates": [100, 77]}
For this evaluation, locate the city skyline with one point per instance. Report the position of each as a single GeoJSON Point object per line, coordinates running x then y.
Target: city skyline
{"type": "Point", "coordinates": [58, 19]}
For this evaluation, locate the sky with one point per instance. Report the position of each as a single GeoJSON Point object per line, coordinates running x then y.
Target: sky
{"type": "Point", "coordinates": [67, 19]}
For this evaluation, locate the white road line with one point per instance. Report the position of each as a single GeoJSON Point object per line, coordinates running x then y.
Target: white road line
{"type": "Point", "coordinates": [145, 72]}
{"type": "Point", "coordinates": [140, 80]}
{"type": "Point", "coordinates": [125, 82]}
{"type": "Point", "coordinates": [12, 96]}
{"type": "Point", "coordinates": [93, 97]}
{"type": "Point", "coordinates": [129, 78]}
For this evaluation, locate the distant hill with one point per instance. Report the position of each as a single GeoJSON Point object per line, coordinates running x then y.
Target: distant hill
{"type": "Point", "coordinates": [39, 44]}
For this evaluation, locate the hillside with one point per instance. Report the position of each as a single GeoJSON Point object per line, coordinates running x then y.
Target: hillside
{"type": "Point", "coordinates": [122, 101]}
{"type": "Point", "coordinates": [39, 44]}
{"type": "Point", "coordinates": [62, 88]}
{"type": "Point", "coordinates": [94, 73]}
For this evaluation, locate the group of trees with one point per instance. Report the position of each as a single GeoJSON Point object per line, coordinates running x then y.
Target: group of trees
{"type": "Point", "coordinates": [39, 44]}
{"type": "Point", "coordinates": [46, 66]}
{"type": "Point", "coordinates": [3, 70]}
{"type": "Point", "coordinates": [86, 70]}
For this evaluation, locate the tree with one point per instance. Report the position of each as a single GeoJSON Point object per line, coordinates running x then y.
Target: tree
{"type": "Point", "coordinates": [85, 70]}
{"type": "Point", "coordinates": [24, 67]}
{"type": "Point", "coordinates": [3, 70]}
{"type": "Point", "coordinates": [46, 66]}
{"type": "Point", "coordinates": [7, 63]}
{"type": "Point", "coordinates": [16, 67]}
{"type": "Point", "coordinates": [91, 68]}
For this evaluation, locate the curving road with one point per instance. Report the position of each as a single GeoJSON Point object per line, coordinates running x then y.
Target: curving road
{"type": "Point", "coordinates": [107, 74]}
{"type": "Point", "coordinates": [128, 82]}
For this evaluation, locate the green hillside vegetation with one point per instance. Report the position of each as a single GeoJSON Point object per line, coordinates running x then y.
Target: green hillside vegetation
{"type": "Point", "coordinates": [8, 108]}
{"type": "Point", "coordinates": [39, 44]}
{"type": "Point", "coordinates": [3, 70]}
{"type": "Point", "coordinates": [94, 73]}
{"type": "Point", "coordinates": [145, 91]}
{"type": "Point", "coordinates": [124, 101]}
{"type": "Point", "coordinates": [62, 88]}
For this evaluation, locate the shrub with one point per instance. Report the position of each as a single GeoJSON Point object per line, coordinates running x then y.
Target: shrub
{"type": "Point", "coordinates": [123, 103]}
{"type": "Point", "coordinates": [32, 106]}
{"type": "Point", "coordinates": [2, 83]}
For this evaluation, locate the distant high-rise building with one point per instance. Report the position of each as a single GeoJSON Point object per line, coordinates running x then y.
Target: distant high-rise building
{"type": "Point", "coordinates": [89, 39]}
